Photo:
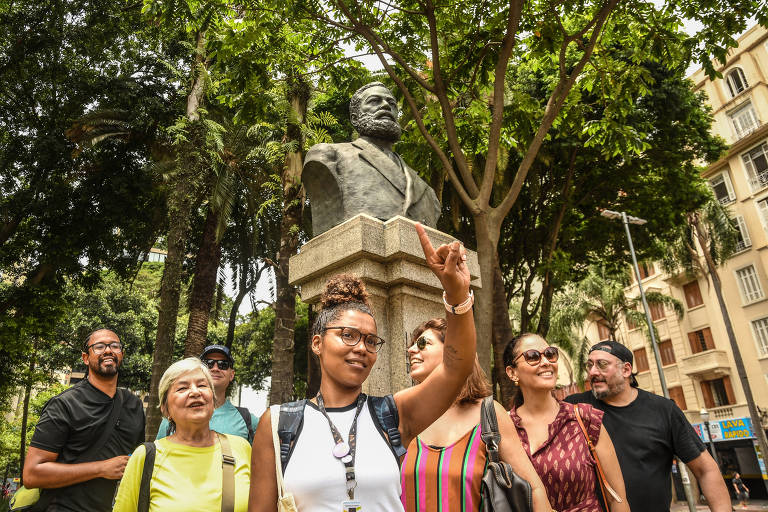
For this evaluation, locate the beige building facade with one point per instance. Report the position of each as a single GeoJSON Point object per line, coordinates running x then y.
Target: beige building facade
{"type": "Point", "coordinates": [696, 356]}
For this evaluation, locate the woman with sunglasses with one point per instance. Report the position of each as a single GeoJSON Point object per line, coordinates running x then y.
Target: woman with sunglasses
{"type": "Point", "coordinates": [444, 465]}
{"type": "Point", "coordinates": [550, 432]}
{"type": "Point", "coordinates": [340, 459]}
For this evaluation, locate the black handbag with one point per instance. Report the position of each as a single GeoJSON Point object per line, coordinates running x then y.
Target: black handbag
{"type": "Point", "coordinates": [502, 490]}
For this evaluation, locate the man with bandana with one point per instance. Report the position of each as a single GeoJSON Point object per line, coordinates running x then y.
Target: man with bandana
{"type": "Point", "coordinates": [647, 431]}
{"type": "Point", "coordinates": [73, 421]}
{"type": "Point", "coordinates": [366, 175]}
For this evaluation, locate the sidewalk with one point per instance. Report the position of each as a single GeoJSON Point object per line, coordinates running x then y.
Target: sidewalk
{"type": "Point", "coordinates": [752, 506]}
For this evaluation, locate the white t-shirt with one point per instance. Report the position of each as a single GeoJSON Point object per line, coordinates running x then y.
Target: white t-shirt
{"type": "Point", "coordinates": [317, 478]}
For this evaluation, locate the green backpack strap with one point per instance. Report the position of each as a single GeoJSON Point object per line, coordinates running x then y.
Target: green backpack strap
{"type": "Point", "coordinates": [146, 477]}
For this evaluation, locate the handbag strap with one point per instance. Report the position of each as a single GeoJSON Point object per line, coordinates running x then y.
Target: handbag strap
{"type": "Point", "coordinates": [604, 485]}
{"type": "Point", "coordinates": [489, 427]}
{"type": "Point", "coordinates": [274, 412]}
{"type": "Point", "coordinates": [227, 475]}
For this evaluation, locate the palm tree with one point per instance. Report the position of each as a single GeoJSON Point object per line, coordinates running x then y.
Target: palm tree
{"type": "Point", "coordinates": [599, 298]}
{"type": "Point", "coordinates": [706, 241]}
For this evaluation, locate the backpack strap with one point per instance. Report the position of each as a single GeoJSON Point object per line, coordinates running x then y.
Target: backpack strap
{"type": "Point", "coordinates": [227, 475]}
{"type": "Point", "coordinates": [146, 477]}
{"type": "Point", "coordinates": [385, 413]}
{"type": "Point", "coordinates": [246, 414]}
{"type": "Point", "coordinates": [289, 427]}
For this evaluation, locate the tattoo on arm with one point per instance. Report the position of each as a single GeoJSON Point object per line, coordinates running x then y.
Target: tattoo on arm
{"type": "Point", "coordinates": [450, 356]}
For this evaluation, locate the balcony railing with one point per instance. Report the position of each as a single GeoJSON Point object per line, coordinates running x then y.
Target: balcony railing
{"type": "Point", "coordinates": [760, 181]}
{"type": "Point", "coordinates": [741, 245]}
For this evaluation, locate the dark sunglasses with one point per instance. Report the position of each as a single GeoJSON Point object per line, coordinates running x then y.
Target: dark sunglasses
{"type": "Point", "coordinates": [223, 365]}
{"type": "Point", "coordinates": [533, 356]}
{"type": "Point", "coordinates": [421, 343]}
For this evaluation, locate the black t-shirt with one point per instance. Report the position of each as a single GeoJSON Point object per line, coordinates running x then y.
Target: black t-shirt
{"type": "Point", "coordinates": [647, 434]}
{"type": "Point", "coordinates": [70, 423]}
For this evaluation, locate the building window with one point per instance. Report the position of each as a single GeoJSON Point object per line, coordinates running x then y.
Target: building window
{"type": "Point", "coordinates": [603, 332]}
{"type": "Point", "coordinates": [756, 163]}
{"type": "Point", "coordinates": [743, 241]}
{"type": "Point", "coordinates": [667, 353]}
{"type": "Point", "coordinates": [762, 209]}
{"type": "Point", "coordinates": [717, 392]}
{"type": "Point", "coordinates": [657, 311]}
{"type": "Point", "coordinates": [701, 340]}
{"type": "Point", "coordinates": [692, 294]}
{"type": "Point", "coordinates": [723, 188]}
{"type": "Point", "coordinates": [631, 324]}
{"type": "Point", "coordinates": [677, 396]}
{"type": "Point", "coordinates": [641, 360]}
{"type": "Point", "coordinates": [744, 120]}
{"type": "Point", "coordinates": [646, 269]}
{"type": "Point", "coordinates": [760, 330]}
{"type": "Point", "coordinates": [737, 82]}
{"type": "Point", "coordinates": [749, 284]}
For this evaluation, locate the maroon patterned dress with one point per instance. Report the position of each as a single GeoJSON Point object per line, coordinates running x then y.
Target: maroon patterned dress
{"type": "Point", "coordinates": [563, 462]}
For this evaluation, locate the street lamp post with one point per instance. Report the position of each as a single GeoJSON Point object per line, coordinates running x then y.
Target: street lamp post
{"type": "Point", "coordinates": [705, 418]}
{"type": "Point", "coordinates": [627, 220]}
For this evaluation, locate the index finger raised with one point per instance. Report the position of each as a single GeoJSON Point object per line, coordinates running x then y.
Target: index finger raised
{"type": "Point", "coordinates": [426, 244]}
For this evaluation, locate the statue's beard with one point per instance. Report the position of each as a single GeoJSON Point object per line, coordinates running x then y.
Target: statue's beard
{"type": "Point", "coordinates": [382, 128]}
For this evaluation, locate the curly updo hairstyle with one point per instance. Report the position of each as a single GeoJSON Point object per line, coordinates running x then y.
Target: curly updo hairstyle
{"type": "Point", "coordinates": [343, 292]}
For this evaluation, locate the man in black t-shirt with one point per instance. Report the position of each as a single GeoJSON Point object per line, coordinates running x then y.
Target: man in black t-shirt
{"type": "Point", "coordinates": [72, 422]}
{"type": "Point", "coordinates": [647, 431]}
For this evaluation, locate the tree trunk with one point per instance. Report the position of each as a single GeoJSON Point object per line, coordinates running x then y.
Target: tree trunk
{"type": "Point", "coordinates": [502, 334]}
{"type": "Point", "coordinates": [285, 305]}
{"type": "Point", "coordinates": [754, 416]}
{"type": "Point", "coordinates": [180, 205]}
{"type": "Point", "coordinates": [179, 211]}
{"type": "Point", "coordinates": [547, 292]}
{"type": "Point", "coordinates": [313, 363]}
{"type": "Point", "coordinates": [24, 421]}
{"type": "Point", "coordinates": [203, 286]}
{"type": "Point", "coordinates": [486, 255]}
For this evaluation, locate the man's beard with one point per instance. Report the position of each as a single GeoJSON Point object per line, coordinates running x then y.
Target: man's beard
{"type": "Point", "coordinates": [383, 128]}
{"type": "Point", "coordinates": [109, 371]}
{"type": "Point", "coordinates": [613, 389]}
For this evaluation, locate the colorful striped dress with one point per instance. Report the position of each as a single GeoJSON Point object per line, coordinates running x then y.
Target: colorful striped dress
{"type": "Point", "coordinates": [444, 479]}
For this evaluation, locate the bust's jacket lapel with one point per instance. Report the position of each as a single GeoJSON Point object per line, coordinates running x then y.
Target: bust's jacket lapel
{"type": "Point", "coordinates": [381, 162]}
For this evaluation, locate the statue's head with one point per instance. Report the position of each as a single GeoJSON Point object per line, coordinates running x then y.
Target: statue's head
{"type": "Point", "coordinates": [373, 112]}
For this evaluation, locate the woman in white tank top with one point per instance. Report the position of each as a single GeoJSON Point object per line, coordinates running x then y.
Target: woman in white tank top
{"type": "Point", "coordinates": [344, 339]}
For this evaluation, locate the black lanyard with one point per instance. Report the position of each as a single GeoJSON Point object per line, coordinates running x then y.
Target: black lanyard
{"type": "Point", "coordinates": [341, 450]}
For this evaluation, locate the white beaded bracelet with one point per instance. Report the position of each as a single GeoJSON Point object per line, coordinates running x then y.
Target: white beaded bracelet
{"type": "Point", "coordinates": [462, 308]}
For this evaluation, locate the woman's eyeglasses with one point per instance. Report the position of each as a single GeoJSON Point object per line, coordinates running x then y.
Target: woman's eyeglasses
{"type": "Point", "coordinates": [222, 364]}
{"type": "Point", "coordinates": [533, 356]}
{"type": "Point", "coordinates": [351, 337]}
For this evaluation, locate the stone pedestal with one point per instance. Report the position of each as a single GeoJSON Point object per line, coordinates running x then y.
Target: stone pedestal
{"type": "Point", "coordinates": [404, 292]}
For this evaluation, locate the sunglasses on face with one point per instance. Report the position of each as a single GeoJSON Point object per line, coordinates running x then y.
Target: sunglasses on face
{"type": "Point", "coordinates": [222, 364]}
{"type": "Point", "coordinates": [99, 348]}
{"type": "Point", "coordinates": [533, 356]}
{"type": "Point", "coordinates": [421, 343]}
{"type": "Point", "coordinates": [602, 364]}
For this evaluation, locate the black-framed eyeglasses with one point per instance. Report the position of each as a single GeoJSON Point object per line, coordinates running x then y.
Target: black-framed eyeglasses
{"type": "Point", "coordinates": [99, 348]}
{"type": "Point", "coordinates": [351, 337]}
{"type": "Point", "coordinates": [221, 363]}
{"type": "Point", "coordinates": [421, 343]}
{"type": "Point", "coordinates": [533, 356]}
{"type": "Point", "coordinates": [602, 364]}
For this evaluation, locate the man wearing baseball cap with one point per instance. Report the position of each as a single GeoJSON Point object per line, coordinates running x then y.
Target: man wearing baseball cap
{"type": "Point", "coordinates": [647, 432]}
{"type": "Point", "coordinates": [227, 418]}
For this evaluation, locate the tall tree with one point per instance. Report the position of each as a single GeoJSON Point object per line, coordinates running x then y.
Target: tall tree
{"type": "Point", "coordinates": [704, 243]}
{"type": "Point", "coordinates": [456, 55]}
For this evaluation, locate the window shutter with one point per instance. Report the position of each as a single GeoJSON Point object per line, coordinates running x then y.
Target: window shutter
{"type": "Point", "coordinates": [694, 341]}
{"type": "Point", "coordinates": [708, 338]}
{"type": "Point", "coordinates": [706, 392]}
{"type": "Point", "coordinates": [729, 390]}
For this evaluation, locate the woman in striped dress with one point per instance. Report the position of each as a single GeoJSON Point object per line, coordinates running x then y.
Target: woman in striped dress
{"type": "Point", "coordinates": [445, 463]}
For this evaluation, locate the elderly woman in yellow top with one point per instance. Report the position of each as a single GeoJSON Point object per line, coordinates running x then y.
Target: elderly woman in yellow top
{"type": "Point", "coordinates": [191, 469]}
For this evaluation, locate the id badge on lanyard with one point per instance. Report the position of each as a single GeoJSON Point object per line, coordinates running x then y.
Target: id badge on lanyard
{"type": "Point", "coordinates": [351, 506]}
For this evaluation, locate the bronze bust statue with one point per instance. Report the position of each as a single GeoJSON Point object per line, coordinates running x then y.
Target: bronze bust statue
{"type": "Point", "coordinates": [366, 175]}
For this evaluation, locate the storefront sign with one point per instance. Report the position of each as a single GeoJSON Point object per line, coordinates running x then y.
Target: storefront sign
{"type": "Point", "coordinates": [726, 430]}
